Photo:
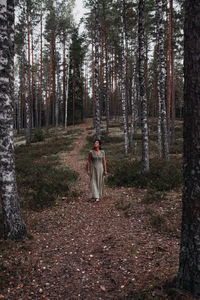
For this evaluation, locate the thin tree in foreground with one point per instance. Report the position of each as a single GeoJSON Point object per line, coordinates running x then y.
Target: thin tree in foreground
{"type": "Point", "coordinates": [14, 227]}
{"type": "Point", "coordinates": [143, 98]}
{"type": "Point", "coordinates": [189, 265]}
{"type": "Point", "coordinates": [161, 80]}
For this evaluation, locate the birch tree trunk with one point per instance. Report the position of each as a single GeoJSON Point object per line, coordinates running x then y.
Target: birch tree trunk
{"type": "Point", "coordinates": [64, 72]}
{"type": "Point", "coordinates": [143, 98]}
{"type": "Point", "coordinates": [133, 107]}
{"type": "Point", "coordinates": [67, 84]}
{"type": "Point", "coordinates": [123, 81]}
{"type": "Point", "coordinates": [57, 103]}
{"type": "Point", "coordinates": [14, 226]}
{"type": "Point", "coordinates": [189, 260]}
{"type": "Point", "coordinates": [29, 65]}
{"type": "Point", "coordinates": [161, 81]}
{"type": "Point", "coordinates": [96, 70]}
{"type": "Point", "coordinates": [28, 90]}
{"type": "Point", "coordinates": [107, 89]}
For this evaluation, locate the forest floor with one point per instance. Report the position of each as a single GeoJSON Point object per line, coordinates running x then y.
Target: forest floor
{"type": "Point", "coordinates": [81, 249]}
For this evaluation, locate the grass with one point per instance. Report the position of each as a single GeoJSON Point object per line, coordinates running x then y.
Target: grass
{"type": "Point", "coordinates": [40, 178]}
{"type": "Point", "coordinates": [153, 196]}
{"type": "Point", "coordinates": [163, 175]}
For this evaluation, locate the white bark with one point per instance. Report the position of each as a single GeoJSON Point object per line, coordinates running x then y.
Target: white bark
{"type": "Point", "coordinates": [161, 81]}
{"type": "Point", "coordinates": [143, 98]}
{"type": "Point", "coordinates": [67, 84]}
{"type": "Point", "coordinates": [133, 109]}
{"type": "Point", "coordinates": [96, 67]}
{"type": "Point", "coordinates": [123, 83]}
{"type": "Point", "coordinates": [13, 223]}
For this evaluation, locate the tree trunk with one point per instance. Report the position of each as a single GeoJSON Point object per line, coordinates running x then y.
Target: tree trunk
{"type": "Point", "coordinates": [57, 103]}
{"type": "Point", "coordinates": [101, 71]}
{"type": "Point", "coordinates": [96, 67]}
{"type": "Point", "coordinates": [14, 227]}
{"type": "Point", "coordinates": [143, 98]}
{"type": "Point", "coordinates": [64, 74]}
{"type": "Point", "coordinates": [41, 71]}
{"type": "Point", "coordinates": [123, 82]}
{"type": "Point", "coordinates": [161, 80]}
{"type": "Point", "coordinates": [93, 84]}
{"type": "Point", "coordinates": [107, 76]}
{"type": "Point", "coordinates": [172, 80]}
{"type": "Point", "coordinates": [74, 94]}
{"type": "Point", "coordinates": [189, 264]}
{"type": "Point", "coordinates": [133, 107]}
{"type": "Point", "coordinates": [28, 91]}
{"type": "Point", "coordinates": [173, 103]}
{"type": "Point", "coordinates": [67, 84]}
{"type": "Point", "coordinates": [34, 119]}
{"type": "Point", "coordinates": [48, 102]}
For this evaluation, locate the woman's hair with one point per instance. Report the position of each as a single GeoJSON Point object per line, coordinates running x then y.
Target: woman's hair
{"type": "Point", "coordinates": [99, 143]}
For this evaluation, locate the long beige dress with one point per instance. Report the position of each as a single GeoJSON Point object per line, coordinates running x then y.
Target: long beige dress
{"type": "Point", "coordinates": [96, 174]}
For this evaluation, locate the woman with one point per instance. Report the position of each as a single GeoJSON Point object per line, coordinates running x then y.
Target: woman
{"type": "Point", "coordinates": [96, 170]}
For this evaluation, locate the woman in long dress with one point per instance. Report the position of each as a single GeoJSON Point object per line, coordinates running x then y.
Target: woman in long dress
{"type": "Point", "coordinates": [97, 170]}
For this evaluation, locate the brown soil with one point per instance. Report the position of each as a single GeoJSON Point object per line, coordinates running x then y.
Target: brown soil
{"type": "Point", "coordinates": [86, 250]}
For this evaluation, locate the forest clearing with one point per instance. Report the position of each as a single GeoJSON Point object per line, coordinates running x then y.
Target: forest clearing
{"type": "Point", "coordinates": [124, 247]}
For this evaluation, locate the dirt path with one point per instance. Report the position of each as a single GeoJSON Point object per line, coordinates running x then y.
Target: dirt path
{"type": "Point", "coordinates": [86, 250]}
{"type": "Point", "coordinates": [73, 160]}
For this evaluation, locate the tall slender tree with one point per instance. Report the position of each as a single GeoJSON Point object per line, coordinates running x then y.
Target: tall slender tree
{"type": "Point", "coordinates": [161, 80]}
{"type": "Point", "coordinates": [143, 98]}
{"type": "Point", "coordinates": [14, 226]}
{"type": "Point", "coordinates": [123, 77]}
{"type": "Point", "coordinates": [96, 66]}
{"type": "Point", "coordinates": [189, 261]}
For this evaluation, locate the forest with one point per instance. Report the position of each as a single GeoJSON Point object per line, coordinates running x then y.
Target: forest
{"type": "Point", "coordinates": [125, 77]}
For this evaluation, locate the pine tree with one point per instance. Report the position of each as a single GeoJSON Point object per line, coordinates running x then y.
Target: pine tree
{"type": "Point", "coordinates": [189, 260]}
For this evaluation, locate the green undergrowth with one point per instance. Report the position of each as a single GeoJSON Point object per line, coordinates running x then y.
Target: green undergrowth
{"type": "Point", "coordinates": [40, 177]}
{"type": "Point", "coordinates": [163, 175]}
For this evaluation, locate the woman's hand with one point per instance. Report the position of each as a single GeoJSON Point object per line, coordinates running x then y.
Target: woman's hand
{"type": "Point", "coordinates": [105, 173]}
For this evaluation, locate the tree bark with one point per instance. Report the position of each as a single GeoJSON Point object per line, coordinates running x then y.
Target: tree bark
{"type": "Point", "coordinates": [107, 73]}
{"type": "Point", "coordinates": [67, 84]}
{"type": "Point", "coordinates": [189, 260]}
{"type": "Point", "coordinates": [48, 102]}
{"type": "Point", "coordinates": [41, 72]}
{"type": "Point", "coordinates": [64, 74]}
{"type": "Point", "coordinates": [96, 67]}
{"type": "Point", "coordinates": [14, 227]}
{"type": "Point", "coordinates": [161, 81]}
{"type": "Point", "coordinates": [28, 90]}
{"type": "Point", "coordinates": [123, 81]}
{"type": "Point", "coordinates": [143, 98]}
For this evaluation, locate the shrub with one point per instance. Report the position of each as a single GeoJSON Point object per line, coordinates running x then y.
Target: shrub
{"type": "Point", "coordinates": [163, 175]}
{"type": "Point", "coordinates": [38, 136]}
{"type": "Point", "coordinates": [40, 178]}
{"type": "Point", "coordinates": [48, 183]}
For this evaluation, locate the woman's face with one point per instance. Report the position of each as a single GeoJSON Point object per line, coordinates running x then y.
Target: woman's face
{"type": "Point", "coordinates": [96, 144]}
